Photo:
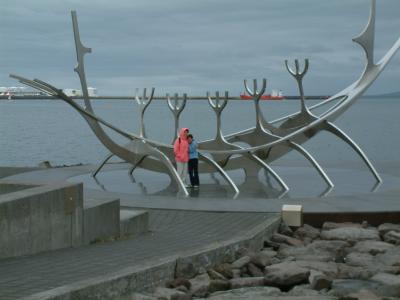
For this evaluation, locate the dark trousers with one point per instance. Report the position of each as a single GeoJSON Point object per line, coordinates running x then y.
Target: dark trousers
{"type": "Point", "coordinates": [193, 166]}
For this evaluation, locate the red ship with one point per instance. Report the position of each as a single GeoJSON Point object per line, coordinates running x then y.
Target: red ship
{"type": "Point", "coordinates": [275, 95]}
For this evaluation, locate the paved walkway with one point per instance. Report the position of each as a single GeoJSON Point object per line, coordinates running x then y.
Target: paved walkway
{"type": "Point", "coordinates": [171, 232]}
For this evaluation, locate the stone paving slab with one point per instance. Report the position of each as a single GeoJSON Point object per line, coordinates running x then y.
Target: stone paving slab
{"type": "Point", "coordinates": [171, 232]}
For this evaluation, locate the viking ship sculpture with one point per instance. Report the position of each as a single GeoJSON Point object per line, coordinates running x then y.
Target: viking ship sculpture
{"type": "Point", "coordinates": [265, 142]}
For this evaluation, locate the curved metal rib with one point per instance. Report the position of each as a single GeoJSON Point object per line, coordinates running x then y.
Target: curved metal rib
{"type": "Point", "coordinates": [343, 136]}
{"type": "Point", "coordinates": [221, 171]}
{"type": "Point", "coordinates": [311, 159]}
{"type": "Point", "coordinates": [143, 103]}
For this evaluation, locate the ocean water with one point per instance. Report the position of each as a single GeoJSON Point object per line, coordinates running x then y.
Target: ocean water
{"type": "Point", "coordinates": [39, 130]}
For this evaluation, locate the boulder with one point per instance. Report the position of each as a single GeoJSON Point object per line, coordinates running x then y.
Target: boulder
{"type": "Point", "coordinates": [351, 234]}
{"type": "Point", "coordinates": [254, 271]}
{"type": "Point", "coordinates": [241, 262]}
{"type": "Point", "coordinates": [286, 274]}
{"type": "Point", "coordinates": [371, 247]}
{"type": "Point", "coordinates": [356, 259]}
{"type": "Point", "coordinates": [316, 251]}
{"type": "Point", "coordinates": [302, 290]}
{"type": "Point", "coordinates": [349, 272]}
{"type": "Point", "coordinates": [392, 237]}
{"type": "Point", "coordinates": [330, 269]}
{"type": "Point", "coordinates": [254, 293]}
{"type": "Point", "coordinates": [280, 238]}
{"type": "Point", "coordinates": [363, 294]}
{"type": "Point", "coordinates": [263, 258]}
{"type": "Point", "coordinates": [138, 296]}
{"type": "Point", "coordinates": [319, 281]}
{"type": "Point", "coordinates": [178, 282]}
{"type": "Point", "coordinates": [215, 275]}
{"type": "Point", "coordinates": [225, 270]}
{"type": "Point", "coordinates": [237, 283]}
{"type": "Point", "coordinates": [390, 284]}
{"type": "Point", "coordinates": [270, 244]}
{"type": "Point", "coordinates": [307, 231]}
{"type": "Point", "coordinates": [219, 285]}
{"type": "Point", "coordinates": [200, 285]}
{"type": "Point", "coordinates": [341, 288]}
{"type": "Point", "coordinates": [386, 227]}
{"type": "Point", "coordinates": [162, 293]}
{"type": "Point", "coordinates": [285, 229]}
{"type": "Point", "coordinates": [333, 225]}
{"type": "Point", "coordinates": [390, 258]}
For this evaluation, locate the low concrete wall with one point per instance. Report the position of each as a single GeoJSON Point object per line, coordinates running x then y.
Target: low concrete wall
{"type": "Point", "coordinates": [6, 188]}
{"type": "Point", "coordinates": [40, 219]}
{"type": "Point", "coordinates": [101, 220]}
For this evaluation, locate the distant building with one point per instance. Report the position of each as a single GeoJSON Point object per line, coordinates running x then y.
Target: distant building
{"type": "Point", "coordinates": [78, 93]}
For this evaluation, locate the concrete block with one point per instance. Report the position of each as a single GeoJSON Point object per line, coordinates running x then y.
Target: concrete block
{"type": "Point", "coordinates": [101, 219]}
{"type": "Point", "coordinates": [292, 215]}
{"type": "Point", "coordinates": [34, 219]}
{"type": "Point", "coordinates": [133, 222]}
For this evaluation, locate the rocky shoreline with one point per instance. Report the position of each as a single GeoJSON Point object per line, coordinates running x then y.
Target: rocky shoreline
{"type": "Point", "coordinates": [338, 261]}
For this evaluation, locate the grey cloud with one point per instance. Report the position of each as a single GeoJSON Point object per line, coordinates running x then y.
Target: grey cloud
{"type": "Point", "coordinates": [193, 45]}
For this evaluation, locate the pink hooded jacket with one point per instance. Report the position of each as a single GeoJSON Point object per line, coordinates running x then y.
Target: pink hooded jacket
{"type": "Point", "coordinates": [181, 147]}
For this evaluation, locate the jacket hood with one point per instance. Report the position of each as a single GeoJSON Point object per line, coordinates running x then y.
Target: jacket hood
{"type": "Point", "coordinates": [182, 134]}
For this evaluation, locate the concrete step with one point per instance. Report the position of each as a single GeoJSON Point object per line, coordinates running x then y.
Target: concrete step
{"type": "Point", "coordinates": [101, 219]}
{"type": "Point", "coordinates": [133, 222]}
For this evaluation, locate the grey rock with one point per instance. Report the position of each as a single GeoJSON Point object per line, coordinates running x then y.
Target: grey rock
{"type": "Point", "coordinates": [371, 247]}
{"type": "Point", "coordinates": [390, 284]}
{"type": "Point", "coordinates": [254, 271]}
{"type": "Point", "coordinates": [270, 244]}
{"type": "Point", "coordinates": [363, 294]}
{"type": "Point", "coordinates": [386, 227]}
{"type": "Point", "coordinates": [390, 258]}
{"type": "Point", "coordinates": [359, 259]}
{"type": "Point", "coordinates": [280, 238]}
{"type": "Point", "coordinates": [200, 285]}
{"type": "Point", "coordinates": [225, 270]}
{"type": "Point", "coordinates": [254, 293]}
{"type": "Point", "coordinates": [219, 285]}
{"type": "Point", "coordinates": [168, 294]}
{"type": "Point", "coordinates": [182, 288]}
{"type": "Point", "coordinates": [333, 225]}
{"type": "Point", "coordinates": [341, 288]}
{"type": "Point", "coordinates": [215, 275]}
{"type": "Point", "coordinates": [178, 282]}
{"type": "Point", "coordinates": [138, 296]}
{"type": "Point", "coordinates": [302, 290]}
{"type": "Point", "coordinates": [392, 237]}
{"type": "Point", "coordinates": [349, 272]}
{"type": "Point", "coordinates": [330, 269]}
{"type": "Point", "coordinates": [269, 252]}
{"type": "Point", "coordinates": [262, 259]}
{"type": "Point", "coordinates": [285, 274]}
{"type": "Point", "coordinates": [241, 262]}
{"type": "Point", "coordinates": [350, 234]}
{"type": "Point", "coordinates": [236, 273]}
{"type": "Point", "coordinates": [237, 283]}
{"type": "Point", "coordinates": [319, 280]}
{"type": "Point", "coordinates": [285, 229]}
{"type": "Point", "coordinates": [316, 251]}
{"type": "Point", "coordinates": [307, 231]}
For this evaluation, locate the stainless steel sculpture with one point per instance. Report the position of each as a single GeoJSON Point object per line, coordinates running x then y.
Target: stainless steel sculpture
{"type": "Point", "coordinates": [266, 141]}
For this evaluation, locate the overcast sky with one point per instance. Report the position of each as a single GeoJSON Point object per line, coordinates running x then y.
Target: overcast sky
{"type": "Point", "coordinates": [195, 46]}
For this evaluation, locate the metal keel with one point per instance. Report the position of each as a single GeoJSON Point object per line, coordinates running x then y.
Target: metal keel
{"type": "Point", "coordinates": [221, 171]}
{"type": "Point", "coordinates": [311, 159]}
{"type": "Point", "coordinates": [340, 134]}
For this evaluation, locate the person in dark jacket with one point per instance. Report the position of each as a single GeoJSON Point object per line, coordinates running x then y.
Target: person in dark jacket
{"type": "Point", "coordinates": [193, 165]}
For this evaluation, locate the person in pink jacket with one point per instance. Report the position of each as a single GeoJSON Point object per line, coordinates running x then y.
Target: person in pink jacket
{"type": "Point", "coordinates": [181, 151]}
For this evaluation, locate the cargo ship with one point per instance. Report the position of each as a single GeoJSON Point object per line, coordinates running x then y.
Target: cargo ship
{"type": "Point", "coordinates": [275, 95]}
